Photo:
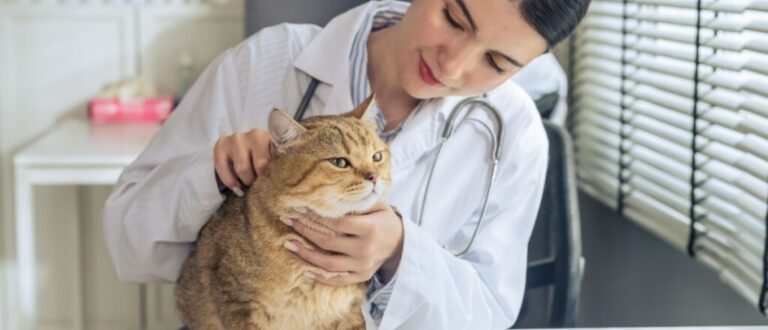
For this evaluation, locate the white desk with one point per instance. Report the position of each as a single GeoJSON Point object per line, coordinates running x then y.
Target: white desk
{"type": "Point", "coordinates": [72, 153]}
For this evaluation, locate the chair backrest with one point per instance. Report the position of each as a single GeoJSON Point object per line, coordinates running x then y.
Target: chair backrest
{"type": "Point", "coordinates": [547, 103]}
{"type": "Point", "coordinates": [554, 251]}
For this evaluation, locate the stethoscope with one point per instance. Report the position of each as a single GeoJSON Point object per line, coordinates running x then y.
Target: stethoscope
{"type": "Point", "coordinates": [471, 104]}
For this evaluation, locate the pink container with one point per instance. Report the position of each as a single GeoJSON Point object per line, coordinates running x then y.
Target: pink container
{"type": "Point", "coordinates": [155, 109]}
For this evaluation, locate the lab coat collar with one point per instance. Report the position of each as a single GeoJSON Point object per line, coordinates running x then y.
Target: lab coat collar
{"type": "Point", "coordinates": [326, 57]}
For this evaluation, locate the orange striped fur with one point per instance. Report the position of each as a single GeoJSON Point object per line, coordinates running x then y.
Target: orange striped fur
{"type": "Point", "coordinates": [239, 276]}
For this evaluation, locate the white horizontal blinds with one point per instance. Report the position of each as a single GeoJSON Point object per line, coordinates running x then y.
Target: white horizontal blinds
{"type": "Point", "coordinates": [733, 140]}
{"type": "Point", "coordinates": [650, 86]}
{"type": "Point", "coordinates": [596, 60]}
{"type": "Point", "coordinates": [636, 107]}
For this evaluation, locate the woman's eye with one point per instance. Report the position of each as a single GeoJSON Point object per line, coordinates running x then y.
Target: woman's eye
{"type": "Point", "coordinates": [452, 21]}
{"type": "Point", "coordinates": [493, 64]}
{"type": "Point", "coordinates": [377, 157]}
{"type": "Point", "coordinates": [339, 162]}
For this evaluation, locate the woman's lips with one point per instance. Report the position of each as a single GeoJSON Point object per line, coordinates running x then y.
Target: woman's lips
{"type": "Point", "coordinates": [426, 74]}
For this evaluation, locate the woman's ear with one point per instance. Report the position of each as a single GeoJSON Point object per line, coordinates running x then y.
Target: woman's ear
{"type": "Point", "coordinates": [283, 129]}
{"type": "Point", "coordinates": [365, 110]}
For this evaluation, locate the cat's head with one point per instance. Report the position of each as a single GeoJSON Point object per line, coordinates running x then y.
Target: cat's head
{"type": "Point", "coordinates": [333, 165]}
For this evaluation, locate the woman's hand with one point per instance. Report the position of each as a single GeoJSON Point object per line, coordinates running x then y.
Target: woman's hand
{"type": "Point", "coordinates": [362, 245]}
{"type": "Point", "coordinates": [241, 157]}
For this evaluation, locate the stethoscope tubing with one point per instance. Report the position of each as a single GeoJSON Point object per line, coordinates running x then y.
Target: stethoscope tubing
{"type": "Point", "coordinates": [469, 103]}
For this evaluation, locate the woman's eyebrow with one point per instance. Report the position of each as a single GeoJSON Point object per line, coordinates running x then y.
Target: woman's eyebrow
{"type": "Point", "coordinates": [464, 10]}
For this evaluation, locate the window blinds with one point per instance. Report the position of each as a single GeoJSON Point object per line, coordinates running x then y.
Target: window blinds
{"type": "Point", "coordinates": [670, 122]}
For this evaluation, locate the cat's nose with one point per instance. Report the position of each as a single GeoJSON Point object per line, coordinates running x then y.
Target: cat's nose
{"type": "Point", "coordinates": [370, 177]}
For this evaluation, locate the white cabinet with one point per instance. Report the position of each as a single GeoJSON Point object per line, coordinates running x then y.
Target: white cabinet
{"type": "Point", "coordinates": [53, 59]}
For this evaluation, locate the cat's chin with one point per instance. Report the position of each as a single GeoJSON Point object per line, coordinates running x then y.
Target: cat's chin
{"type": "Point", "coordinates": [342, 208]}
{"type": "Point", "coordinates": [364, 204]}
{"type": "Point", "coordinates": [360, 206]}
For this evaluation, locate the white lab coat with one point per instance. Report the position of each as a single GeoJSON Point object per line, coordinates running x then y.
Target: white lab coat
{"type": "Point", "coordinates": [166, 195]}
{"type": "Point", "coordinates": [542, 76]}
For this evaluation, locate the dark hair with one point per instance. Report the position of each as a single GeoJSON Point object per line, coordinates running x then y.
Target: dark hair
{"type": "Point", "coordinates": [553, 19]}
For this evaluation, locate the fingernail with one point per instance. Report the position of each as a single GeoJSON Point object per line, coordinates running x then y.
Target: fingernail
{"type": "Point", "coordinates": [288, 245]}
{"type": "Point", "coordinates": [287, 221]}
{"type": "Point", "coordinates": [309, 275]}
{"type": "Point", "coordinates": [238, 192]}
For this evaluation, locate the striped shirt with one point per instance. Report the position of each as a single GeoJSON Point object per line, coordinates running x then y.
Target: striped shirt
{"type": "Point", "coordinates": [383, 15]}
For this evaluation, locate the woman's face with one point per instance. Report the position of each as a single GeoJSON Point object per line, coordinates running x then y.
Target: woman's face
{"type": "Point", "coordinates": [462, 47]}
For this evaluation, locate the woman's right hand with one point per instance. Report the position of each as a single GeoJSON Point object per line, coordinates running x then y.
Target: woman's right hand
{"type": "Point", "coordinates": [240, 158]}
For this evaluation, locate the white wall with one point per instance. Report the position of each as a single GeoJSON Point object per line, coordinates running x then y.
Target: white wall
{"type": "Point", "coordinates": [53, 58]}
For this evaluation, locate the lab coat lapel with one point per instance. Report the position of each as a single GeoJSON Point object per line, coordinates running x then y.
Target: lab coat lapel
{"type": "Point", "coordinates": [422, 131]}
{"type": "Point", "coordinates": [419, 134]}
{"type": "Point", "coordinates": [326, 58]}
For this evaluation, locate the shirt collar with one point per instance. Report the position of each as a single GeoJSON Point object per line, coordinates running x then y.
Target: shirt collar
{"type": "Point", "coordinates": [326, 57]}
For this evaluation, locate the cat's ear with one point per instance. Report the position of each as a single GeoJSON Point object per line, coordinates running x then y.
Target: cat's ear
{"type": "Point", "coordinates": [283, 129]}
{"type": "Point", "coordinates": [365, 110]}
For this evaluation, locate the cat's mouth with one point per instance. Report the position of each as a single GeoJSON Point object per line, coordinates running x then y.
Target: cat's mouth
{"type": "Point", "coordinates": [376, 190]}
{"type": "Point", "coordinates": [372, 194]}
{"type": "Point", "coordinates": [366, 199]}
{"type": "Point", "coordinates": [363, 198]}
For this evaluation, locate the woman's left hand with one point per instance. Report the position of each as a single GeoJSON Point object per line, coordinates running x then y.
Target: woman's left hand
{"type": "Point", "coordinates": [361, 245]}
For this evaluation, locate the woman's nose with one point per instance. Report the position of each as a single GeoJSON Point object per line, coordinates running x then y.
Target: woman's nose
{"type": "Point", "coordinates": [455, 60]}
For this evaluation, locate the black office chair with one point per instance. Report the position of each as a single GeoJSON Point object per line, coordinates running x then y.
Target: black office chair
{"type": "Point", "coordinates": [547, 103]}
{"type": "Point", "coordinates": [555, 264]}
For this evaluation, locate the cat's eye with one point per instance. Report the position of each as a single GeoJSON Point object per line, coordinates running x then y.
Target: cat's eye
{"type": "Point", "coordinates": [339, 162]}
{"type": "Point", "coordinates": [377, 156]}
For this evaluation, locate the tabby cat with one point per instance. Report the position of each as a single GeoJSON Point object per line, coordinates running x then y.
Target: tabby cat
{"type": "Point", "coordinates": [239, 276]}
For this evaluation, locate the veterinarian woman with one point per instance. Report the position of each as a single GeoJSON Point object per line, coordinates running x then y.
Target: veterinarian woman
{"type": "Point", "coordinates": [420, 59]}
